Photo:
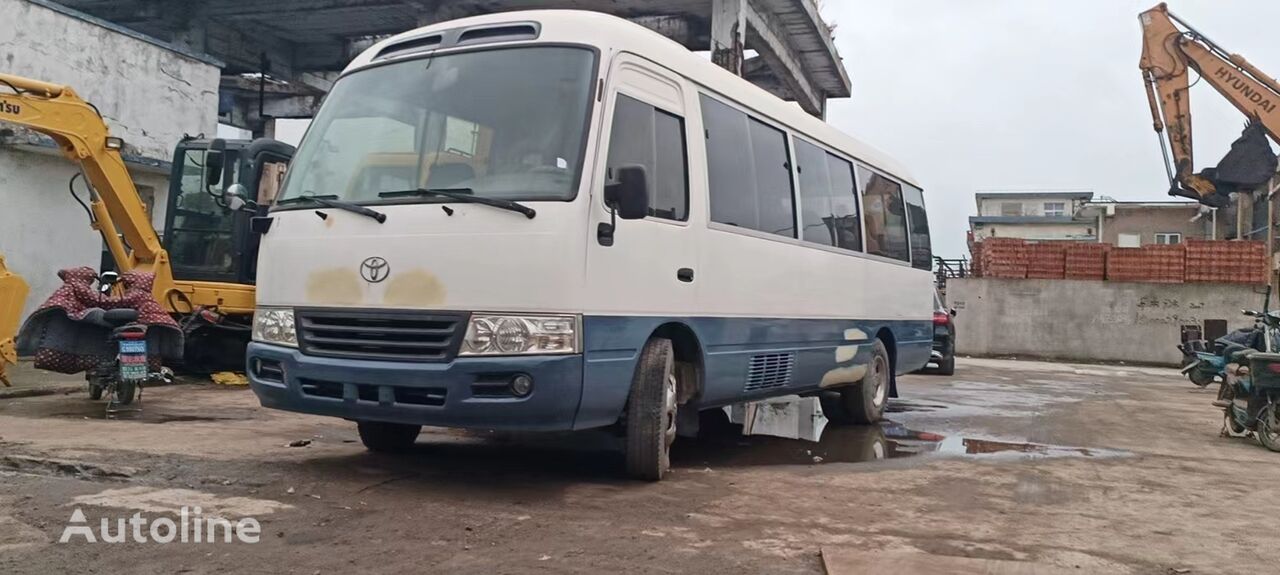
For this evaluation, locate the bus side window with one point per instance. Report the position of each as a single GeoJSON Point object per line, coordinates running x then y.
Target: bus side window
{"type": "Point", "coordinates": [918, 219]}
{"type": "Point", "coordinates": [645, 135]}
{"type": "Point", "coordinates": [885, 216]}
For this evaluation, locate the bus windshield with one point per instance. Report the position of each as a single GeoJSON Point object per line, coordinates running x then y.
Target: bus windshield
{"type": "Point", "coordinates": [507, 123]}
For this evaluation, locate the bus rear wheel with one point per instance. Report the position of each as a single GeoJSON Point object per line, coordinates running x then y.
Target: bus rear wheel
{"type": "Point", "coordinates": [864, 402]}
{"type": "Point", "coordinates": [651, 412]}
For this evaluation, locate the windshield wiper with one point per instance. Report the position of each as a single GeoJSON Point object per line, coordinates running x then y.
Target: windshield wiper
{"type": "Point", "coordinates": [463, 195]}
{"type": "Point", "coordinates": [332, 201]}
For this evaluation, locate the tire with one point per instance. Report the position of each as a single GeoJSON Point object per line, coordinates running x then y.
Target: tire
{"type": "Point", "coordinates": [381, 437]}
{"type": "Point", "coordinates": [866, 400]}
{"type": "Point", "coordinates": [1232, 428]}
{"type": "Point", "coordinates": [947, 366]}
{"type": "Point", "coordinates": [1269, 428]}
{"type": "Point", "coordinates": [125, 391]}
{"type": "Point", "coordinates": [833, 407]}
{"type": "Point", "coordinates": [95, 391]}
{"type": "Point", "coordinates": [1200, 378]}
{"type": "Point", "coordinates": [651, 412]}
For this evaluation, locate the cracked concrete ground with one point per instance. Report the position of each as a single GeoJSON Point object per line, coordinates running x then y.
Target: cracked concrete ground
{"type": "Point", "coordinates": [1088, 468]}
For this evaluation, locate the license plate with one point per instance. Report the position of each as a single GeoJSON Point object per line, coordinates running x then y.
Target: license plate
{"type": "Point", "coordinates": [133, 359]}
{"type": "Point", "coordinates": [133, 372]}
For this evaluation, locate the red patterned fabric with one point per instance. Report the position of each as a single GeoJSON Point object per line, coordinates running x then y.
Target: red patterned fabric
{"type": "Point", "coordinates": [61, 343]}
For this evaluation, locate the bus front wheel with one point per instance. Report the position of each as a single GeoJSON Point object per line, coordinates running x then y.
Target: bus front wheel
{"type": "Point", "coordinates": [651, 412]}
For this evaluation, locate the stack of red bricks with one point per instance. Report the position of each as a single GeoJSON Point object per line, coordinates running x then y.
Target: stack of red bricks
{"type": "Point", "coordinates": [1226, 261]}
{"type": "Point", "coordinates": [1086, 261]}
{"type": "Point", "coordinates": [1150, 264]}
{"type": "Point", "coordinates": [1196, 261]}
{"type": "Point", "coordinates": [1002, 258]}
{"type": "Point", "coordinates": [1046, 261]}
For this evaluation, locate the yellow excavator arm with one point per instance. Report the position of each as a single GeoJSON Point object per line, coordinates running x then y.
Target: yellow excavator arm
{"type": "Point", "coordinates": [1169, 51]}
{"type": "Point", "coordinates": [13, 293]}
{"type": "Point", "coordinates": [83, 136]}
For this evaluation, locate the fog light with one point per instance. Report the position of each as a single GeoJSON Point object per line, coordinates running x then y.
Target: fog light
{"type": "Point", "coordinates": [521, 385]}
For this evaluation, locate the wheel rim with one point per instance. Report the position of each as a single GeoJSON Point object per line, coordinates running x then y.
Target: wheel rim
{"type": "Point", "coordinates": [1269, 427]}
{"type": "Point", "coordinates": [669, 412]}
{"type": "Point", "coordinates": [880, 379]}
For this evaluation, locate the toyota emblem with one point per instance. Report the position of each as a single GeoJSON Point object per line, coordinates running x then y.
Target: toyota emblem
{"type": "Point", "coordinates": [374, 269]}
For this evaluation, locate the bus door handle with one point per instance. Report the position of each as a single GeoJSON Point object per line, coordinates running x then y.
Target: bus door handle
{"type": "Point", "coordinates": [685, 275]}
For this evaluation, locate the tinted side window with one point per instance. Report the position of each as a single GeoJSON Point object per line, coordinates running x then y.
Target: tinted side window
{"type": "Point", "coordinates": [652, 138]}
{"type": "Point", "coordinates": [729, 172]}
{"type": "Point", "coordinates": [918, 219]}
{"type": "Point", "coordinates": [749, 171]}
{"type": "Point", "coordinates": [829, 202]}
{"type": "Point", "coordinates": [885, 216]}
{"type": "Point", "coordinates": [815, 195]}
{"type": "Point", "coordinates": [773, 181]}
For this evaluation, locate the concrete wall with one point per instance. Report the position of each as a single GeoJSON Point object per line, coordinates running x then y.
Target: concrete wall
{"type": "Point", "coordinates": [1036, 231]}
{"type": "Point", "coordinates": [1088, 320]}
{"type": "Point", "coordinates": [149, 96]}
{"type": "Point", "coordinates": [1030, 206]}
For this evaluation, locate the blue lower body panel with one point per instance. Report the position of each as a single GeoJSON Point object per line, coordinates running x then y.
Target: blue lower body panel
{"type": "Point", "coordinates": [460, 393]}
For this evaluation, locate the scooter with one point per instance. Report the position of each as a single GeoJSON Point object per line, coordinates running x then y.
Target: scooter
{"type": "Point", "coordinates": [122, 376]}
{"type": "Point", "coordinates": [1250, 395]}
{"type": "Point", "coordinates": [1204, 364]}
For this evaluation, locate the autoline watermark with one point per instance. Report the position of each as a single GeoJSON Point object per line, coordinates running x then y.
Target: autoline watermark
{"type": "Point", "coordinates": [192, 526]}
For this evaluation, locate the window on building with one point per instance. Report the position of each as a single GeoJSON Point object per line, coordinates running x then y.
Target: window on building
{"type": "Point", "coordinates": [646, 136]}
{"type": "Point", "coordinates": [1169, 238]}
{"type": "Point", "coordinates": [1129, 240]}
{"type": "Point", "coordinates": [918, 220]}
{"type": "Point", "coordinates": [885, 216]}
{"type": "Point", "coordinates": [1055, 209]}
{"type": "Point", "coordinates": [1009, 209]}
{"type": "Point", "coordinates": [748, 171]}
{"type": "Point", "coordinates": [828, 198]}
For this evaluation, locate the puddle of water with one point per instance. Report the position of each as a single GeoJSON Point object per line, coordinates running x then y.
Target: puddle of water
{"type": "Point", "coordinates": [794, 431]}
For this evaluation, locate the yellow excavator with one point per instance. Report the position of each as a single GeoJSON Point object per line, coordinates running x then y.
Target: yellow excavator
{"type": "Point", "coordinates": [13, 290]}
{"type": "Point", "coordinates": [1171, 48]}
{"type": "Point", "coordinates": [206, 276]}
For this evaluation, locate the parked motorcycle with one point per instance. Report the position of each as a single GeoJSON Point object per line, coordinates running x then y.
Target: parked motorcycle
{"type": "Point", "coordinates": [1205, 362]}
{"type": "Point", "coordinates": [1250, 394]}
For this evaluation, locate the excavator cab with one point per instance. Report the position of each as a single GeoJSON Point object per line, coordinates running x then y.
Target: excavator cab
{"type": "Point", "coordinates": [207, 231]}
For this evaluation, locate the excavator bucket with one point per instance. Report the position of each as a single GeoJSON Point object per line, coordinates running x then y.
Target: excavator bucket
{"type": "Point", "coordinates": [1249, 165]}
{"type": "Point", "coordinates": [13, 294]}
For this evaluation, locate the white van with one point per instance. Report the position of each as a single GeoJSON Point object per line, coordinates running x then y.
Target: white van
{"type": "Point", "coordinates": [560, 220]}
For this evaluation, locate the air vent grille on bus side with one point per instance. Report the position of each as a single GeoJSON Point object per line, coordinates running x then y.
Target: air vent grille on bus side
{"type": "Point", "coordinates": [410, 46]}
{"type": "Point", "coordinates": [770, 370]}
{"type": "Point", "coordinates": [499, 34]}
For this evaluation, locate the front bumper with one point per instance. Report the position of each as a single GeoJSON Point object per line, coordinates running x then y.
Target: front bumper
{"type": "Point", "coordinates": [467, 392]}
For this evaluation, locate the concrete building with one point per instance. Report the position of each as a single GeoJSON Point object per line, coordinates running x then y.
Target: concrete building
{"type": "Point", "coordinates": [1078, 216]}
{"type": "Point", "coordinates": [1135, 224]}
{"type": "Point", "coordinates": [1033, 215]}
{"type": "Point", "coordinates": [150, 95]}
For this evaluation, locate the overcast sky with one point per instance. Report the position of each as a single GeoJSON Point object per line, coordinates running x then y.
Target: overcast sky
{"type": "Point", "coordinates": [1026, 94]}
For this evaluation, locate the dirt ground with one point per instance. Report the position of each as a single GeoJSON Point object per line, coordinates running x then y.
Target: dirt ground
{"type": "Point", "coordinates": [1094, 469]}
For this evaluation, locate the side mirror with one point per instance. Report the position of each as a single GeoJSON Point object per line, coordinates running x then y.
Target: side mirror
{"type": "Point", "coordinates": [953, 312]}
{"type": "Point", "coordinates": [629, 196]}
{"type": "Point", "coordinates": [235, 197]}
{"type": "Point", "coordinates": [107, 280]}
{"type": "Point", "coordinates": [214, 160]}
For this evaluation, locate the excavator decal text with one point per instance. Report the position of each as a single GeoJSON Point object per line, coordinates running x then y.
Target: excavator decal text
{"type": "Point", "coordinates": [12, 109]}
{"type": "Point", "coordinates": [1243, 87]}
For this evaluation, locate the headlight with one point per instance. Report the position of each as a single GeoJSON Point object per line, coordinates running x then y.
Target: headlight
{"type": "Point", "coordinates": [274, 325]}
{"type": "Point", "coordinates": [489, 334]}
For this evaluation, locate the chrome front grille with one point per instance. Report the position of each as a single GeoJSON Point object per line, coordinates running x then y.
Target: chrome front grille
{"type": "Point", "coordinates": [387, 335]}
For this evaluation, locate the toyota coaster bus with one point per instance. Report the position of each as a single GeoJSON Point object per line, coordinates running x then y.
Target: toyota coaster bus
{"type": "Point", "coordinates": [561, 220]}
